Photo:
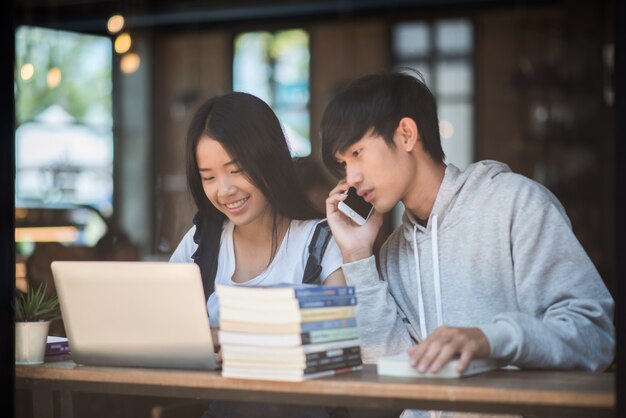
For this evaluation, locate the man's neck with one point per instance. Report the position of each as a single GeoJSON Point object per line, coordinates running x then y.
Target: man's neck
{"type": "Point", "coordinates": [423, 191]}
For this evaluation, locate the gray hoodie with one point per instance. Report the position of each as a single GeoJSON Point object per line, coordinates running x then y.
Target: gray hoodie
{"type": "Point", "coordinates": [498, 253]}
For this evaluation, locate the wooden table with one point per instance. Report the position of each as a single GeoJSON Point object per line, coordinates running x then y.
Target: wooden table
{"type": "Point", "coordinates": [503, 391]}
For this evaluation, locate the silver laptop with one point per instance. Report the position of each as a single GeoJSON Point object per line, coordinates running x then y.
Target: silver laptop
{"type": "Point", "coordinates": [139, 314]}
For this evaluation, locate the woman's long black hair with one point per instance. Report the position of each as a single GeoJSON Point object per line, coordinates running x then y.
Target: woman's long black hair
{"type": "Point", "coordinates": [250, 132]}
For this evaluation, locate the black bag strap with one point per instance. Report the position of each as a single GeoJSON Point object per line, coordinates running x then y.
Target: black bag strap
{"type": "Point", "coordinates": [317, 247]}
{"type": "Point", "coordinates": [208, 235]}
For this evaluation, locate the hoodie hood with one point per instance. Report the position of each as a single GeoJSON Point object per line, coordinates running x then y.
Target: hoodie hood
{"type": "Point", "coordinates": [456, 189]}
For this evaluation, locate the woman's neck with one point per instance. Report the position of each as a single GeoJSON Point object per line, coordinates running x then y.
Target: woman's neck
{"type": "Point", "coordinates": [256, 246]}
{"type": "Point", "coordinates": [261, 232]}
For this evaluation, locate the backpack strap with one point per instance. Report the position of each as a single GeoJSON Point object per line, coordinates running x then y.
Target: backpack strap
{"type": "Point", "coordinates": [207, 236]}
{"type": "Point", "coordinates": [317, 247]}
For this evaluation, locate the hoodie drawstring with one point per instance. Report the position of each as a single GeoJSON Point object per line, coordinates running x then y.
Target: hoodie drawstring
{"type": "Point", "coordinates": [420, 295]}
{"type": "Point", "coordinates": [436, 278]}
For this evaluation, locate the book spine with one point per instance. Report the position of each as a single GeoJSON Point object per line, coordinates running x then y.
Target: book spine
{"type": "Point", "coordinates": [326, 301]}
{"type": "Point", "coordinates": [334, 345]}
{"type": "Point", "coordinates": [334, 362]}
{"type": "Point", "coordinates": [332, 312]}
{"type": "Point", "coordinates": [261, 340]}
{"type": "Point", "coordinates": [327, 335]}
{"type": "Point", "coordinates": [330, 324]}
{"type": "Point", "coordinates": [57, 348]}
{"type": "Point", "coordinates": [341, 365]}
{"type": "Point", "coordinates": [333, 372]}
{"type": "Point", "coordinates": [337, 352]}
{"type": "Point", "coordinates": [318, 291]}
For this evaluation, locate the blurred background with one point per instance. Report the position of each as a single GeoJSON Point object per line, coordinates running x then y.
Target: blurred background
{"type": "Point", "coordinates": [104, 92]}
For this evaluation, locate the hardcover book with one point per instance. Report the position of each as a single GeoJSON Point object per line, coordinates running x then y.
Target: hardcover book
{"type": "Point", "coordinates": [287, 340]}
{"type": "Point", "coordinates": [253, 313]}
{"type": "Point", "coordinates": [285, 375]}
{"type": "Point", "coordinates": [286, 328]}
{"type": "Point", "coordinates": [288, 304]}
{"type": "Point", "coordinates": [282, 292]}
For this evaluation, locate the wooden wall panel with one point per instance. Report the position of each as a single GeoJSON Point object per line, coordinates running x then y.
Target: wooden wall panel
{"type": "Point", "coordinates": [188, 69]}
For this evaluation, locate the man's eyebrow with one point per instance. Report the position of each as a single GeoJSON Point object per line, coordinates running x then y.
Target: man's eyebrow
{"type": "Point", "coordinates": [345, 151]}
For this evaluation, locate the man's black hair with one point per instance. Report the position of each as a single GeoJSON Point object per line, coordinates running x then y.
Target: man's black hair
{"type": "Point", "coordinates": [377, 103]}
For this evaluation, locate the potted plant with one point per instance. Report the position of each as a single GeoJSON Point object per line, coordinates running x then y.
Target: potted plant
{"type": "Point", "coordinates": [34, 310]}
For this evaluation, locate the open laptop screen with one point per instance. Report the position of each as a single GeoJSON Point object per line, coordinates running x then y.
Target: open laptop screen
{"type": "Point", "coordinates": [140, 314]}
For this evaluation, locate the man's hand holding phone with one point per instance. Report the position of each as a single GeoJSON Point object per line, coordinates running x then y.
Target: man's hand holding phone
{"type": "Point", "coordinates": [356, 242]}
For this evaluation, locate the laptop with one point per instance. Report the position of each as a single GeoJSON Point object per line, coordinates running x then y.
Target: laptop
{"type": "Point", "coordinates": [136, 314]}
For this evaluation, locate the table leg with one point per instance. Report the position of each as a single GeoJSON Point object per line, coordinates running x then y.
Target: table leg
{"type": "Point", "coordinates": [65, 401]}
{"type": "Point", "coordinates": [42, 403]}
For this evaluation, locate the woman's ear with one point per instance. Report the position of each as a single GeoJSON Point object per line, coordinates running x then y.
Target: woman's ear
{"type": "Point", "coordinates": [408, 134]}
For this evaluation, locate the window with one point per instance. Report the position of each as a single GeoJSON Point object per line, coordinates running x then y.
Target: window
{"type": "Point", "coordinates": [274, 66]}
{"type": "Point", "coordinates": [442, 52]}
{"type": "Point", "coordinates": [64, 136]}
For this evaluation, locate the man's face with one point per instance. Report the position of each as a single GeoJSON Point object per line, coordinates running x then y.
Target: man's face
{"type": "Point", "coordinates": [380, 173]}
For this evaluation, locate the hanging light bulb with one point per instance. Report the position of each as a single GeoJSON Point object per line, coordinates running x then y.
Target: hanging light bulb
{"type": "Point", "coordinates": [130, 62]}
{"type": "Point", "coordinates": [115, 23]}
{"type": "Point", "coordinates": [27, 71]}
{"type": "Point", "coordinates": [122, 43]}
{"type": "Point", "coordinates": [446, 129]}
{"type": "Point", "coordinates": [53, 77]}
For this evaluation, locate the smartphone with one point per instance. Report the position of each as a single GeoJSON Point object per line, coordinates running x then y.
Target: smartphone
{"type": "Point", "coordinates": [355, 207]}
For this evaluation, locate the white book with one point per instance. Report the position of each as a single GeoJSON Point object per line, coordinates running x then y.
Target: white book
{"type": "Point", "coordinates": [334, 347]}
{"type": "Point", "coordinates": [260, 340]}
{"type": "Point", "coordinates": [398, 365]}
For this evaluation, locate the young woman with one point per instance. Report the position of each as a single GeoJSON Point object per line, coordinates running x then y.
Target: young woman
{"type": "Point", "coordinates": [254, 221]}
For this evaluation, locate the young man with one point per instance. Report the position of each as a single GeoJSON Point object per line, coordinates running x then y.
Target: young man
{"type": "Point", "coordinates": [485, 263]}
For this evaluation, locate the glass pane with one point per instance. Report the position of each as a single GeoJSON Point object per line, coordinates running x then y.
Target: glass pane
{"type": "Point", "coordinates": [290, 54]}
{"type": "Point", "coordinates": [454, 36]}
{"type": "Point", "coordinates": [251, 65]}
{"type": "Point", "coordinates": [275, 68]}
{"type": "Point", "coordinates": [296, 127]}
{"type": "Point", "coordinates": [454, 78]}
{"type": "Point", "coordinates": [64, 138]}
{"type": "Point", "coordinates": [411, 39]}
{"type": "Point", "coordinates": [456, 128]}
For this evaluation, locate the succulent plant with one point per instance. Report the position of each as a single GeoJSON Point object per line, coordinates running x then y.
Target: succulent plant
{"type": "Point", "coordinates": [36, 305]}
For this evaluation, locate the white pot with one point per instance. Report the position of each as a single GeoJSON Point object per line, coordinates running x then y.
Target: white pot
{"type": "Point", "coordinates": [30, 341]}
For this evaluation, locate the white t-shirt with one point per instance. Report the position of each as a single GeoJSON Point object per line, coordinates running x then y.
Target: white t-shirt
{"type": "Point", "coordinates": [286, 267]}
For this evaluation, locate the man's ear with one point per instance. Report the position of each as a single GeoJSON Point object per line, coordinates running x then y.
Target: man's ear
{"type": "Point", "coordinates": [408, 134]}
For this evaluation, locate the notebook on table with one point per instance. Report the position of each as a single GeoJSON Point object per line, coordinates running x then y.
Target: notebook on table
{"type": "Point", "coordinates": [398, 365]}
{"type": "Point", "coordinates": [136, 314]}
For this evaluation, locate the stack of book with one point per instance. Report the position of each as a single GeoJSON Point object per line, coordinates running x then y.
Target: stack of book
{"type": "Point", "coordinates": [288, 333]}
{"type": "Point", "coordinates": [57, 345]}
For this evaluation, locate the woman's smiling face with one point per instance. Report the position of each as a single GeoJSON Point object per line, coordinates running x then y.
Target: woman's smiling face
{"type": "Point", "coordinates": [227, 186]}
